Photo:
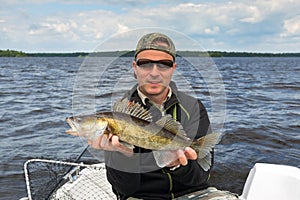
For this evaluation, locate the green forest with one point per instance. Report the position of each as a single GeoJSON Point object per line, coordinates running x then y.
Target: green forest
{"type": "Point", "coordinates": [14, 53]}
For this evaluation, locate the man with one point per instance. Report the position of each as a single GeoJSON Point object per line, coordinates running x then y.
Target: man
{"type": "Point", "coordinates": [128, 170]}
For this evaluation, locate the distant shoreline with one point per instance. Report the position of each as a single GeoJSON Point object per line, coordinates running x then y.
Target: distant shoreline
{"type": "Point", "coordinates": [14, 53]}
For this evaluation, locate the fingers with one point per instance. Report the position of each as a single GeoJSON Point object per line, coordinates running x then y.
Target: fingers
{"type": "Point", "coordinates": [110, 143]}
{"type": "Point", "coordinates": [190, 153]}
{"type": "Point", "coordinates": [119, 147]}
{"type": "Point", "coordinates": [184, 156]}
{"type": "Point", "coordinates": [115, 141]}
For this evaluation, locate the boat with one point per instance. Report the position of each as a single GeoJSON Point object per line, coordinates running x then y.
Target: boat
{"type": "Point", "coordinates": [272, 181]}
{"type": "Point", "coordinates": [88, 181]}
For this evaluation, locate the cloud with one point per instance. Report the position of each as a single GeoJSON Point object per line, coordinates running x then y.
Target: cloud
{"type": "Point", "coordinates": [122, 29]}
{"type": "Point", "coordinates": [253, 15]}
{"type": "Point", "coordinates": [213, 30]}
{"type": "Point", "coordinates": [291, 27]}
{"type": "Point", "coordinates": [235, 25]}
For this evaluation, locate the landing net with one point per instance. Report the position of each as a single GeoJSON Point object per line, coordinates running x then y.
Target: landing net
{"type": "Point", "coordinates": [58, 180]}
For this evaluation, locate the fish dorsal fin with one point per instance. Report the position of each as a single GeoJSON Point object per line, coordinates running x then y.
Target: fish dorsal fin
{"type": "Point", "coordinates": [132, 108]}
{"type": "Point", "coordinates": [168, 123]}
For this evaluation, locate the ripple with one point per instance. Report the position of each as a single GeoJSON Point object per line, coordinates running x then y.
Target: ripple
{"type": "Point", "coordinates": [262, 110]}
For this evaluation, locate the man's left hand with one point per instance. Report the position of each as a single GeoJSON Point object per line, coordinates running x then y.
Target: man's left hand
{"type": "Point", "coordinates": [183, 156]}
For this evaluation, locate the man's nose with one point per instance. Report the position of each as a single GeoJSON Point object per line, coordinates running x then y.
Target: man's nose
{"type": "Point", "coordinates": [155, 71]}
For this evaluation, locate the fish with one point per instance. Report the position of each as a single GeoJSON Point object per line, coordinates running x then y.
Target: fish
{"type": "Point", "coordinates": [133, 125]}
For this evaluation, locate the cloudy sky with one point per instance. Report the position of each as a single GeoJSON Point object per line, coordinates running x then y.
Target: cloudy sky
{"type": "Point", "coordinates": [72, 26]}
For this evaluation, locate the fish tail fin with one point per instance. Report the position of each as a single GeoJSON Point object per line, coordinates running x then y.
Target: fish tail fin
{"type": "Point", "coordinates": [204, 146]}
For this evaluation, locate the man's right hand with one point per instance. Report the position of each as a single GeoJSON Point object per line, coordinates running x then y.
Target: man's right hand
{"type": "Point", "coordinates": [110, 142]}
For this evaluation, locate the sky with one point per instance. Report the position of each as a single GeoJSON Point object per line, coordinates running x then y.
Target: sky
{"type": "Point", "coordinates": [80, 26]}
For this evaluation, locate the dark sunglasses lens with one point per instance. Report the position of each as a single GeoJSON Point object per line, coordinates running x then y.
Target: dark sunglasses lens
{"type": "Point", "coordinates": [144, 63]}
{"type": "Point", "coordinates": [161, 64]}
{"type": "Point", "coordinates": [167, 63]}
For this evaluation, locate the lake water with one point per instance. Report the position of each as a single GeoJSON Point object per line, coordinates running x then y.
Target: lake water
{"type": "Point", "coordinates": [255, 102]}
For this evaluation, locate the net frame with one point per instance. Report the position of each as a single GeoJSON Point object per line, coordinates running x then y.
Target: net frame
{"type": "Point", "coordinates": [75, 178]}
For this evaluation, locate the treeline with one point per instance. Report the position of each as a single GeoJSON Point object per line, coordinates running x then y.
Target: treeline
{"type": "Point", "coordinates": [77, 54]}
{"type": "Point", "coordinates": [13, 53]}
{"type": "Point", "coordinates": [251, 54]}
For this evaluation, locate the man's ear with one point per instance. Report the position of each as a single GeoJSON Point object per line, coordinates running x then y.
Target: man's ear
{"type": "Point", "coordinates": [134, 69]}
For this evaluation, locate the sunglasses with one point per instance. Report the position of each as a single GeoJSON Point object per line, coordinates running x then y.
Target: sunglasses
{"type": "Point", "coordinates": [149, 64]}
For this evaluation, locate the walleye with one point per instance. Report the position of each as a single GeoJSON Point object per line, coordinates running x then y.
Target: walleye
{"type": "Point", "coordinates": [133, 125]}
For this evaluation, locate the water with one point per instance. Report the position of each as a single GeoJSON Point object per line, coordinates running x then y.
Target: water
{"type": "Point", "coordinates": [262, 121]}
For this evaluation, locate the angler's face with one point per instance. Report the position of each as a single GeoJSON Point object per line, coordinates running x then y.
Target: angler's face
{"type": "Point", "coordinates": [154, 70]}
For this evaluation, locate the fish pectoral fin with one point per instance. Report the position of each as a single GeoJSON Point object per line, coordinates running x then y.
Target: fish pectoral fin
{"type": "Point", "coordinates": [129, 146]}
{"type": "Point", "coordinates": [168, 123]}
{"type": "Point", "coordinates": [164, 157]}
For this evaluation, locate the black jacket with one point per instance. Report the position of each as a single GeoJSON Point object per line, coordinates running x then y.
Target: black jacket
{"type": "Point", "coordinates": [137, 177]}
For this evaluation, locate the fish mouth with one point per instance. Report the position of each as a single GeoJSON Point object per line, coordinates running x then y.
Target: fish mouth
{"type": "Point", "coordinates": [71, 124]}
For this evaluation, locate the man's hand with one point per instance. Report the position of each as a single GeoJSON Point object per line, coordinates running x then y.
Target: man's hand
{"type": "Point", "coordinates": [110, 143]}
{"type": "Point", "coordinates": [184, 156]}
{"type": "Point", "coordinates": [106, 142]}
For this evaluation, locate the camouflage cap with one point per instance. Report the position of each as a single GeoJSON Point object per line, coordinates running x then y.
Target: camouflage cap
{"type": "Point", "coordinates": [156, 41]}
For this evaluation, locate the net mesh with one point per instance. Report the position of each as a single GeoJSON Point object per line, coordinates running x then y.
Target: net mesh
{"type": "Point", "coordinates": [49, 179]}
